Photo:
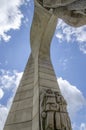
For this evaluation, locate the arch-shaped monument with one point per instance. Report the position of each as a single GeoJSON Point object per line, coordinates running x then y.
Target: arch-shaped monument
{"type": "Point", "coordinates": [38, 103]}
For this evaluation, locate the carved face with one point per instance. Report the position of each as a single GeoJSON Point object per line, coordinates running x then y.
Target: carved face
{"type": "Point", "coordinates": [57, 94]}
{"type": "Point", "coordinates": [49, 91]}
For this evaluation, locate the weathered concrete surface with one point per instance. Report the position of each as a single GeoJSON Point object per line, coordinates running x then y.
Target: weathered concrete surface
{"type": "Point", "coordinates": [38, 103]}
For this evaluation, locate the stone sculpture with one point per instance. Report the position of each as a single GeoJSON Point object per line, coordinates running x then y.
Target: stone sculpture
{"type": "Point", "coordinates": [38, 103]}
{"type": "Point", "coordinates": [49, 106]}
{"type": "Point", "coordinates": [53, 111]}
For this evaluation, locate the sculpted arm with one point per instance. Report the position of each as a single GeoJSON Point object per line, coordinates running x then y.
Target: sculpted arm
{"type": "Point", "coordinates": [73, 12]}
{"type": "Point", "coordinates": [71, 17]}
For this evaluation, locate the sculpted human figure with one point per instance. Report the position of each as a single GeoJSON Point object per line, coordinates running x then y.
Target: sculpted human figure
{"type": "Point", "coordinates": [65, 121]}
{"type": "Point", "coordinates": [64, 118]}
{"type": "Point", "coordinates": [49, 108]}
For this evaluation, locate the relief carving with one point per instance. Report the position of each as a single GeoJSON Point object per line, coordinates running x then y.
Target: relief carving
{"type": "Point", "coordinates": [53, 111]}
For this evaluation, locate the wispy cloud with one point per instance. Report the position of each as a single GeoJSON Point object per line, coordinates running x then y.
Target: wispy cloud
{"type": "Point", "coordinates": [72, 34]}
{"type": "Point", "coordinates": [1, 93]}
{"type": "Point", "coordinates": [63, 62]}
{"type": "Point", "coordinates": [82, 46]}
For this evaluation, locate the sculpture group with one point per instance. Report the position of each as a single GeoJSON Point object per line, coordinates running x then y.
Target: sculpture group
{"type": "Point", "coordinates": [53, 112]}
{"type": "Point", "coordinates": [38, 103]}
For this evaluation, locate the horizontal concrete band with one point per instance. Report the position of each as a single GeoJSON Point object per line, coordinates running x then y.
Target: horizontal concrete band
{"type": "Point", "coordinates": [47, 76]}
{"type": "Point", "coordinates": [30, 80]}
{"type": "Point", "coordinates": [29, 76]}
{"type": "Point", "coordinates": [22, 104]}
{"type": "Point", "coordinates": [26, 87]}
{"type": "Point", "coordinates": [44, 87]}
{"type": "Point", "coordinates": [46, 70]}
{"type": "Point", "coordinates": [48, 83]}
{"type": "Point", "coordinates": [49, 66]}
{"type": "Point", "coordinates": [27, 125]}
{"type": "Point", "coordinates": [23, 94]}
{"type": "Point", "coordinates": [19, 116]}
{"type": "Point", "coordinates": [28, 72]}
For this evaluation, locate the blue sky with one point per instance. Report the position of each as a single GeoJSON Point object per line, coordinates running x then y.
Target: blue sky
{"type": "Point", "coordinates": [68, 55]}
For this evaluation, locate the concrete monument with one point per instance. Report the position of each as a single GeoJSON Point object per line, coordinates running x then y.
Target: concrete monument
{"type": "Point", "coordinates": [38, 103]}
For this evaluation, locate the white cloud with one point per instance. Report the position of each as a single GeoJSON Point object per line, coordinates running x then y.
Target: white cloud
{"type": "Point", "coordinates": [10, 17]}
{"type": "Point", "coordinates": [9, 79]}
{"type": "Point", "coordinates": [83, 126]}
{"type": "Point", "coordinates": [3, 115]}
{"type": "Point", "coordinates": [4, 110]}
{"type": "Point", "coordinates": [82, 47]}
{"type": "Point", "coordinates": [71, 34]}
{"type": "Point", "coordinates": [73, 96]}
{"type": "Point", "coordinates": [1, 93]}
{"type": "Point", "coordinates": [27, 2]}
